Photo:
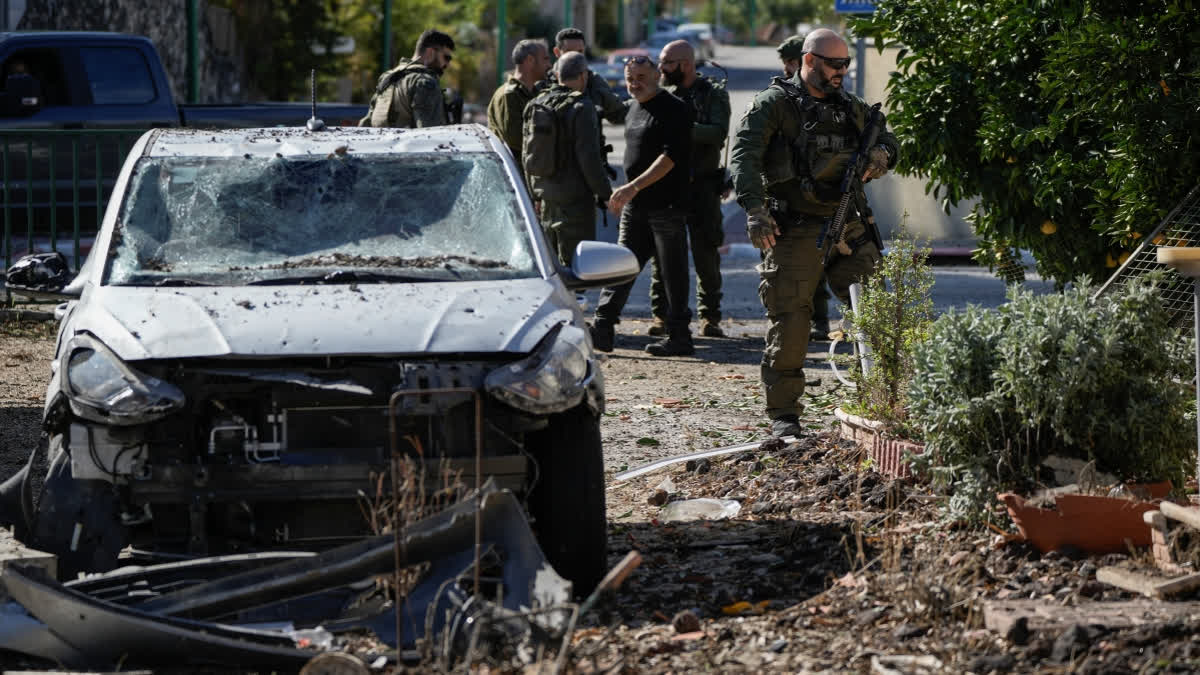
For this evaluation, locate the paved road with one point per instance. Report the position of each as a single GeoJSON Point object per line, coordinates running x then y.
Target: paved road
{"type": "Point", "coordinates": [750, 70]}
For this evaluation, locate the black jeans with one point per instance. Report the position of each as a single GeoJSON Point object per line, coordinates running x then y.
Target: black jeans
{"type": "Point", "coordinates": [661, 234]}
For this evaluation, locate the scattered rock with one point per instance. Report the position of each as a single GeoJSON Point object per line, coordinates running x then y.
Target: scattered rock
{"type": "Point", "coordinates": [686, 622]}
{"type": "Point", "coordinates": [1075, 640]}
{"type": "Point", "coordinates": [826, 475]}
{"type": "Point", "coordinates": [778, 645]}
{"type": "Point", "coordinates": [907, 630]}
{"type": "Point", "coordinates": [762, 507]}
{"type": "Point", "coordinates": [703, 466]}
{"type": "Point", "coordinates": [992, 663]}
{"type": "Point", "coordinates": [1018, 632]}
{"type": "Point", "coordinates": [870, 616]}
{"type": "Point", "coordinates": [659, 498]}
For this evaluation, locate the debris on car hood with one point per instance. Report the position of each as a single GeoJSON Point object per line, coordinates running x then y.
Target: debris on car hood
{"type": "Point", "coordinates": [436, 318]}
{"type": "Point", "coordinates": [263, 610]}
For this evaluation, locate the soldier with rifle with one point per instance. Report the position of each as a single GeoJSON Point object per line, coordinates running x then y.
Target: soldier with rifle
{"type": "Point", "coordinates": [800, 156]}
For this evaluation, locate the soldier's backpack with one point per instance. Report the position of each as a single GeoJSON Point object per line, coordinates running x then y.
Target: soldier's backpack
{"type": "Point", "coordinates": [543, 133]}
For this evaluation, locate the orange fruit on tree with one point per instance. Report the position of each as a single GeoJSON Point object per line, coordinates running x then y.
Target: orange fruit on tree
{"type": "Point", "coordinates": [1048, 227]}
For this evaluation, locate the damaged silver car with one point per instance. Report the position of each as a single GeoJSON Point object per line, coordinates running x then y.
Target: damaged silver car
{"type": "Point", "coordinates": [254, 301]}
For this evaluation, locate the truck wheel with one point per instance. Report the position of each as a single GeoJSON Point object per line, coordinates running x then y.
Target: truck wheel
{"type": "Point", "coordinates": [78, 520]}
{"type": "Point", "coordinates": [567, 502]}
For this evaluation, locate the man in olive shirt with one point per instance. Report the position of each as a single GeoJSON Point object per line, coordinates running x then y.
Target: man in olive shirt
{"type": "Point", "coordinates": [532, 61]}
{"type": "Point", "coordinates": [658, 148]}
{"type": "Point", "coordinates": [706, 228]}
{"type": "Point", "coordinates": [569, 191]}
{"type": "Point", "coordinates": [409, 95]}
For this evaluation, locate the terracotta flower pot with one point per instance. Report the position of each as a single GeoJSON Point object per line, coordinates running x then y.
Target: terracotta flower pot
{"type": "Point", "coordinates": [887, 454]}
{"type": "Point", "coordinates": [1090, 523]}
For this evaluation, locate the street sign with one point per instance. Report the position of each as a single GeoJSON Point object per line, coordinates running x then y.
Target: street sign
{"type": "Point", "coordinates": [854, 6]}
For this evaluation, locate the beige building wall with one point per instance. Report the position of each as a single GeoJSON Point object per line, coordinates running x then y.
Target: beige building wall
{"type": "Point", "coordinates": [896, 195]}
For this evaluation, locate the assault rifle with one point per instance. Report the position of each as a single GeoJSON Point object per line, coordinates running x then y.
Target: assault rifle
{"type": "Point", "coordinates": [852, 186]}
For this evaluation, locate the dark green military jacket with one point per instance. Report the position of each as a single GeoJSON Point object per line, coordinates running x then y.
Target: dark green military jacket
{"type": "Point", "coordinates": [582, 177]}
{"type": "Point", "coordinates": [407, 96]}
{"type": "Point", "coordinates": [504, 113]}
{"type": "Point", "coordinates": [710, 101]}
{"type": "Point", "coordinates": [798, 153]}
{"type": "Point", "coordinates": [607, 104]}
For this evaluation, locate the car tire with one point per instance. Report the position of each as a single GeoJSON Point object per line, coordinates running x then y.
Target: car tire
{"type": "Point", "coordinates": [93, 505]}
{"type": "Point", "coordinates": [567, 501]}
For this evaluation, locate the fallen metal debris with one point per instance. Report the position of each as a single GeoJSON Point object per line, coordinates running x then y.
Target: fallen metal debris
{"type": "Point", "coordinates": [668, 461]}
{"type": "Point", "coordinates": [204, 611]}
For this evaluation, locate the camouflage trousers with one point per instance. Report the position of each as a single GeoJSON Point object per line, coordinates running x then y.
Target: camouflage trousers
{"type": "Point", "coordinates": [566, 225]}
{"type": "Point", "coordinates": [788, 277]}
{"type": "Point", "coordinates": [706, 233]}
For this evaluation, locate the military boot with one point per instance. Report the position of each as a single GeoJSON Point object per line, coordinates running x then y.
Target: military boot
{"type": "Point", "coordinates": [786, 425]}
{"type": "Point", "coordinates": [603, 334]}
{"type": "Point", "coordinates": [710, 328]}
{"type": "Point", "coordinates": [679, 343]}
{"type": "Point", "coordinates": [658, 328]}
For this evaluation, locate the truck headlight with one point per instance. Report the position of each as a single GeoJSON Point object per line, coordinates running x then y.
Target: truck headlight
{"type": "Point", "coordinates": [102, 388]}
{"type": "Point", "coordinates": [551, 379]}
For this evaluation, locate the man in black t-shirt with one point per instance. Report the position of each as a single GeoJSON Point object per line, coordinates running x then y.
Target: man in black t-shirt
{"type": "Point", "coordinates": [658, 146]}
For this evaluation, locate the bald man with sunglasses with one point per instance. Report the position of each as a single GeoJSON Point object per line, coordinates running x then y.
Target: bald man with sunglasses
{"type": "Point", "coordinates": [788, 157]}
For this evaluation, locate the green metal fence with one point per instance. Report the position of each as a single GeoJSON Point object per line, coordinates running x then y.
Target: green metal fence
{"type": "Point", "coordinates": [56, 185]}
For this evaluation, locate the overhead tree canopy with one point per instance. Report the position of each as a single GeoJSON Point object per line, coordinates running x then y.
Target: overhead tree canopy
{"type": "Point", "coordinates": [1074, 121]}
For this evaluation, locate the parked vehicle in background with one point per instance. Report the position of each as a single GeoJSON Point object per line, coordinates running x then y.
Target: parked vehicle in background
{"type": "Point", "coordinates": [703, 35]}
{"type": "Point", "coordinates": [720, 34]}
{"type": "Point", "coordinates": [269, 314]}
{"type": "Point", "coordinates": [59, 167]}
{"type": "Point", "coordinates": [613, 74]}
{"type": "Point", "coordinates": [655, 43]}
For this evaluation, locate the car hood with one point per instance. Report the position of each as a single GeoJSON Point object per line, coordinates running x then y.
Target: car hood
{"type": "Point", "coordinates": [258, 321]}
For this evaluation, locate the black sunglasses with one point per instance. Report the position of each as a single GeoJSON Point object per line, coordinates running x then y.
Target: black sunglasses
{"type": "Point", "coordinates": [836, 64]}
{"type": "Point", "coordinates": [639, 59]}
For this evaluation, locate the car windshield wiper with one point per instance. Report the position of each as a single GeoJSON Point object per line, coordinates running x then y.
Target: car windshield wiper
{"type": "Point", "coordinates": [339, 277]}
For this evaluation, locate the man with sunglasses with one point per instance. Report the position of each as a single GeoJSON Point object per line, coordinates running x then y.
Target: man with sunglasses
{"type": "Point", "coordinates": [658, 149]}
{"type": "Point", "coordinates": [788, 157]}
{"type": "Point", "coordinates": [409, 95]}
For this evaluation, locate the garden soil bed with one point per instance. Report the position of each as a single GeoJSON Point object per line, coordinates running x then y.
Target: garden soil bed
{"type": "Point", "coordinates": [828, 566]}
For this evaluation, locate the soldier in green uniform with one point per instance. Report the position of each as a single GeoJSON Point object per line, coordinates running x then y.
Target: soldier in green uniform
{"type": "Point", "coordinates": [791, 52]}
{"type": "Point", "coordinates": [504, 113]}
{"type": "Point", "coordinates": [563, 160]}
{"type": "Point", "coordinates": [788, 156]}
{"type": "Point", "coordinates": [706, 231]}
{"type": "Point", "coordinates": [597, 90]}
{"type": "Point", "coordinates": [409, 95]}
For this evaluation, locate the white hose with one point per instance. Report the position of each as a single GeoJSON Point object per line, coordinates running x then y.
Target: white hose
{"type": "Point", "coordinates": [864, 349]}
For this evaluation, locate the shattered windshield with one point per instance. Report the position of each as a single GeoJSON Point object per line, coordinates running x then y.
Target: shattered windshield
{"type": "Point", "coordinates": [335, 219]}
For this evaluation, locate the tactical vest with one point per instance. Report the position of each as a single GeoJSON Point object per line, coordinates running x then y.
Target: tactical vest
{"type": "Point", "coordinates": [698, 98]}
{"type": "Point", "coordinates": [817, 155]}
{"type": "Point", "coordinates": [381, 102]}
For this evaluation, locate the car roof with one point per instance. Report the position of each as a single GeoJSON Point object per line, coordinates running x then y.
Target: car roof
{"type": "Point", "coordinates": [294, 141]}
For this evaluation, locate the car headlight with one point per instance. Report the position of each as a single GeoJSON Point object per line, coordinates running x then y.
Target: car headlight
{"type": "Point", "coordinates": [551, 379]}
{"type": "Point", "coordinates": [102, 388]}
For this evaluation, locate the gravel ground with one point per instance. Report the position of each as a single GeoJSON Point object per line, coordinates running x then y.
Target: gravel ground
{"type": "Point", "coordinates": [827, 566]}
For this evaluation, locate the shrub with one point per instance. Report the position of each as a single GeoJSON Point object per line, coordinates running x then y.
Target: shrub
{"type": "Point", "coordinates": [997, 391]}
{"type": "Point", "coordinates": [894, 315]}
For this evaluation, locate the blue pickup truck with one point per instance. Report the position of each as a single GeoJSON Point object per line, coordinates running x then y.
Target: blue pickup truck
{"type": "Point", "coordinates": [72, 103]}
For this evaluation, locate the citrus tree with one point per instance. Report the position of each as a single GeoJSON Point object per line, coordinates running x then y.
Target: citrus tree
{"type": "Point", "coordinates": [1073, 121]}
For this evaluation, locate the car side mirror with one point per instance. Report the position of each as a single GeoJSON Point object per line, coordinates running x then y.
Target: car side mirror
{"type": "Point", "coordinates": [599, 263]}
{"type": "Point", "coordinates": [40, 276]}
{"type": "Point", "coordinates": [22, 95]}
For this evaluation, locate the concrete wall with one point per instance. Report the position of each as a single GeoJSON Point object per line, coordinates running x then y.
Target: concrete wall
{"type": "Point", "coordinates": [895, 195]}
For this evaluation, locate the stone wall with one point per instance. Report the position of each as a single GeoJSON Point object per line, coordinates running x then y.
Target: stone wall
{"type": "Point", "coordinates": [165, 23]}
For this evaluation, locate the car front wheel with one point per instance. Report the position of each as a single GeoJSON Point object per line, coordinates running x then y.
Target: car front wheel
{"type": "Point", "coordinates": [567, 500]}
